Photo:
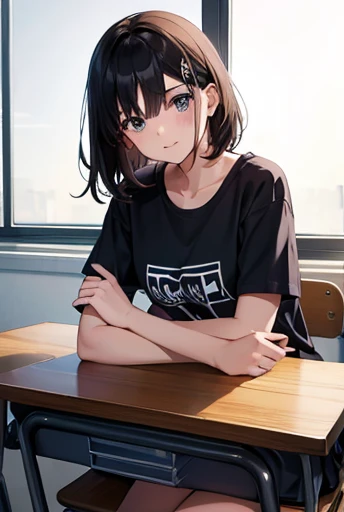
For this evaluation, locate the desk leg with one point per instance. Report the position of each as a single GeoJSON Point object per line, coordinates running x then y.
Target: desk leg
{"type": "Point", "coordinates": [32, 472]}
{"type": "Point", "coordinates": [311, 495]}
{"type": "Point", "coordinates": [4, 499]}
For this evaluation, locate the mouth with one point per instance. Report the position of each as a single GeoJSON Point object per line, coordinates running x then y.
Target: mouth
{"type": "Point", "coordinates": [171, 146]}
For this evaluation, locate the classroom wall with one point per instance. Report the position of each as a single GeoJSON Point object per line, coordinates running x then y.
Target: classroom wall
{"type": "Point", "coordinates": [31, 298]}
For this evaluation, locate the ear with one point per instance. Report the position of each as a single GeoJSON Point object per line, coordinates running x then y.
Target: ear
{"type": "Point", "coordinates": [213, 99]}
{"type": "Point", "coordinates": [126, 141]}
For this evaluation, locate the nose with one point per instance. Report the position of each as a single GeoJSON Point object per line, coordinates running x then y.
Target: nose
{"type": "Point", "coordinates": [160, 130]}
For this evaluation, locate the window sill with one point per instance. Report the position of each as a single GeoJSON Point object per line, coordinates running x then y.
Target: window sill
{"type": "Point", "coordinates": [69, 259]}
{"type": "Point", "coordinates": [57, 259]}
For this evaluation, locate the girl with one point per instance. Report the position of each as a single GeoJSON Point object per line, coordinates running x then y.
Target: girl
{"type": "Point", "coordinates": [207, 233]}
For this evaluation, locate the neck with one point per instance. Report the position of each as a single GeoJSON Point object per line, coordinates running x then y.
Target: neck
{"type": "Point", "coordinates": [195, 161]}
{"type": "Point", "coordinates": [194, 173]}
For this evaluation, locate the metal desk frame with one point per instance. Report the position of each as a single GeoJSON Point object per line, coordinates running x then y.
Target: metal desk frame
{"type": "Point", "coordinates": [176, 442]}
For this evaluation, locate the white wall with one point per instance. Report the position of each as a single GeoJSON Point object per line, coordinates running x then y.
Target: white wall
{"type": "Point", "coordinates": [31, 298]}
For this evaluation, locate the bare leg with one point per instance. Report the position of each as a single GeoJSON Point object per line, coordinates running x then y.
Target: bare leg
{"type": "Point", "coordinates": [149, 497]}
{"type": "Point", "coordinates": [201, 501]}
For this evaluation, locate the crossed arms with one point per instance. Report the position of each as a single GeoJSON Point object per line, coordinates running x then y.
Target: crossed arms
{"type": "Point", "coordinates": [113, 331]}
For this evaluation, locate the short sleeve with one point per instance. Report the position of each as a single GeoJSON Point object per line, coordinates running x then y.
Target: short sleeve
{"type": "Point", "coordinates": [113, 250]}
{"type": "Point", "coordinates": [268, 258]}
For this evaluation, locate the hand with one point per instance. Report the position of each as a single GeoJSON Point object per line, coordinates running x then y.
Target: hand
{"type": "Point", "coordinates": [253, 355]}
{"type": "Point", "coordinates": [106, 296]}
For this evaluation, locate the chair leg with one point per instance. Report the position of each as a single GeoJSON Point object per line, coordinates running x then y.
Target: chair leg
{"type": "Point", "coordinates": [311, 494]}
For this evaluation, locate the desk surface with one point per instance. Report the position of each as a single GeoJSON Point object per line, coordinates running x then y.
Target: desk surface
{"type": "Point", "coordinates": [298, 406]}
{"type": "Point", "coordinates": [27, 345]}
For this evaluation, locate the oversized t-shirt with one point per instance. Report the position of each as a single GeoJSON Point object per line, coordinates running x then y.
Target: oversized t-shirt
{"type": "Point", "coordinates": [195, 263]}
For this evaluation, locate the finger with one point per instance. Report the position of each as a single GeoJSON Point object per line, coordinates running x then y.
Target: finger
{"type": "Point", "coordinates": [82, 302]}
{"type": "Point", "coordinates": [276, 337]}
{"type": "Point", "coordinates": [87, 293]}
{"type": "Point", "coordinates": [105, 273]}
{"type": "Point", "coordinates": [273, 336]}
{"type": "Point", "coordinates": [92, 278]}
{"type": "Point", "coordinates": [264, 362]}
{"type": "Point", "coordinates": [255, 371]}
{"type": "Point", "coordinates": [87, 285]}
{"type": "Point", "coordinates": [283, 343]}
{"type": "Point", "coordinates": [272, 350]}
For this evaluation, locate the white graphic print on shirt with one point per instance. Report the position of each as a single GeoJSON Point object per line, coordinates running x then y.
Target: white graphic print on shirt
{"type": "Point", "coordinates": [198, 284]}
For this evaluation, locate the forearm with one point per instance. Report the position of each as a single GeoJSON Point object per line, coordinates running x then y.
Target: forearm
{"type": "Point", "coordinates": [195, 345]}
{"type": "Point", "coordinates": [224, 328]}
{"type": "Point", "coordinates": [256, 312]}
{"type": "Point", "coordinates": [112, 345]}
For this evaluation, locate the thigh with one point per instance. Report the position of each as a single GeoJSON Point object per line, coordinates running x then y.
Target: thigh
{"type": "Point", "coordinates": [149, 497]}
{"type": "Point", "coordinates": [201, 501]}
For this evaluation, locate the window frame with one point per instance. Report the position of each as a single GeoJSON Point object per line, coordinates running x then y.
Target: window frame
{"type": "Point", "coordinates": [217, 24]}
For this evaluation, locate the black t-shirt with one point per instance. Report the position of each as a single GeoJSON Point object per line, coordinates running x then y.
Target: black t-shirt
{"type": "Point", "coordinates": [195, 263]}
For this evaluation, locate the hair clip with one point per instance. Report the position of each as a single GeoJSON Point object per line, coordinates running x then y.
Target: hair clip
{"type": "Point", "coordinates": [185, 71]}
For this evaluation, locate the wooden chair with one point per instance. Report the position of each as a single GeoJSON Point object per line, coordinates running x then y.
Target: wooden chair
{"type": "Point", "coordinates": [95, 491]}
{"type": "Point", "coordinates": [322, 304]}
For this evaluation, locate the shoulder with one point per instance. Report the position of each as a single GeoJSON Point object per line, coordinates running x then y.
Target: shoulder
{"type": "Point", "coordinates": [259, 171]}
{"type": "Point", "coordinates": [263, 182]}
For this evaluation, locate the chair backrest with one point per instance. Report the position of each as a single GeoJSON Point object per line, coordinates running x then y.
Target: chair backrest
{"type": "Point", "coordinates": [322, 304]}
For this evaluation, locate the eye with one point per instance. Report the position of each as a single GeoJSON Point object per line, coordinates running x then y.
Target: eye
{"type": "Point", "coordinates": [181, 102]}
{"type": "Point", "coordinates": [135, 124]}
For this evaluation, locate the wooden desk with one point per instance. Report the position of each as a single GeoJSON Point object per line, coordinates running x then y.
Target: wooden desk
{"type": "Point", "coordinates": [298, 406]}
{"type": "Point", "coordinates": [36, 343]}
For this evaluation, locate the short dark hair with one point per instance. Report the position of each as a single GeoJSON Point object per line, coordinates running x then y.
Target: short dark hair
{"type": "Point", "coordinates": [139, 50]}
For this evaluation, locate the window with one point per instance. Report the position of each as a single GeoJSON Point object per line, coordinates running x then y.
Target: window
{"type": "Point", "coordinates": [52, 43]}
{"type": "Point", "coordinates": [285, 65]}
{"type": "Point", "coordinates": [51, 55]}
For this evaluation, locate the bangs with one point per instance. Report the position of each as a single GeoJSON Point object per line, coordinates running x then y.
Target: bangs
{"type": "Point", "coordinates": [143, 59]}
